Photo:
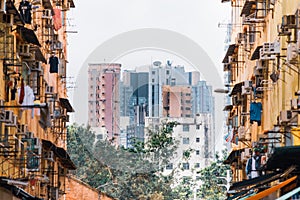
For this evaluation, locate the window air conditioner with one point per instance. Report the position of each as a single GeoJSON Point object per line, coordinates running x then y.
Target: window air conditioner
{"type": "Point", "coordinates": [245, 91]}
{"type": "Point", "coordinates": [291, 53]}
{"type": "Point", "coordinates": [8, 117]}
{"type": "Point", "coordinates": [47, 14]}
{"type": "Point", "coordinates": [257, 72]}
{"type": "Point", "coordinates": [248, 85]}
{"type": "Point", "coordinates": [259, 64]}
{"type": "Point", "coordinates": [13, 122]}
{"type": "Point", "coordinates": [286, 116]}
{"type": "Point", "coordinates": [22, 128]}
{"type": "Point", "coordinates": [24, 50]}
{"type": "Point", "coordinates": [240, 38]}
{"type": "Point", "coordinates": [2, 104]}
{"type": "Point", "coordinates": [294, 104]}
{"type": "Point", "coordinates": [231, 59]}
{"type": "Point", "coordinates": [49, 90]}
{"type": "Point", "coordinates": [3, 6]}
{"type": "Point", "coordinates": [289, 21]}
{"type": "Point", "coordinates": [242, 132]}
{"type": "Point", "coordinates": [281, 30]}
{"type": "Point", "coordinates": [269, 48]}
{"type": "Point", "coordinates": [48, 155]}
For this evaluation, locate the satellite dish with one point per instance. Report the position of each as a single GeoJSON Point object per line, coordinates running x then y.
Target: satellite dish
{"type": "Point", "coordinates": [157, 63]}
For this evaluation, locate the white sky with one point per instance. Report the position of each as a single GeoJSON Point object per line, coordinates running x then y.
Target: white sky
{"type": "Point", "coordinates": [99, 20]}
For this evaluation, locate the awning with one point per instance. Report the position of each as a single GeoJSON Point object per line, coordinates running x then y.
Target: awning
{"type": "Point", "coordinates": [66, 104]}
{"type": "Point", "coordinates": [283, 158]}
{"type": "Point", "coordinates": [237, 88]}
{"type": "Point", "coordinates": [38, 54]}
{"type": "Point", "coordinates": [228, 108]}
{"type": "Point", "coordinates": [261, 180]}
{"type": "Point", "coordinates": [269, 191]}
{"type": "Point", "coordinates": [17, 192]}
{"type": "Point", "coordinates": [230, 51]}
{"type": "Point", "coordinates": [11, 9]}
{"type": "Point", "coordinates": [28, 35]}
{"type": "Point", "coordinates": [255, 54]}
{"type": "Point", "coordinates": [290, 194]}
{"type": "Point", "coordinates": [60, 153]}
{"type": "Point", "coordinates": [72, 5]}
{"type": "Point", "coordinates": [232, 157]}
{"type": "Point", "coordinates": [248, 7]}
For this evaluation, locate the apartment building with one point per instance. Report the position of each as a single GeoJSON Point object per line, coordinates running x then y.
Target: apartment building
{"type": "Point", "coordinates": [262, 62]}
{"type": "Point", "coordinates": [33, 102]}
{"type": "Point", "coordinates": [103, 97]}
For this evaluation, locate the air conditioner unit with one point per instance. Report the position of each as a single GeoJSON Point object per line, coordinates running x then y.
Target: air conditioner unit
{"type": "Point", "coordinates": [257, 72]}
{"type": "Point", "coordinates": [259, 64]}
{"type": "Point", "coordinates": [242, 132]}
{"type": "Point", "coordinates": [245, 92]}
{"type": "Point", "coordinates": [248, 85]}
{"type": "Point", "coordinates": [3, 6]}
{"type": "Point", "coordinates": [240, 38]}
{"type": "Point", "coordinates": [298, 41]}
{"type": "Point", "coordinates": [22, 128]}
{"type": "Point", "coordinates": [48, 155]}
{"type": "Point", "coordinates": [294, 104]}
{"type": "Point", "coordinates": [36, 144]}
{"type": "Point", "coordinates": [270, 48]}
{"type": "Point", "coordinates": [49, 90]}
{"type": "Point", "coordinates": [37, 66]}
{"type": "Point", "coordinates": [2, 104]}
{"type": "Point", "coordinates": [291, 53]}
{"type": "Point", "coordinates": [13, 123]}
{"type": "Point", "coordinates": [8, 116]}
{"type": "Point", "coordinates": [231, 59]}
{"type": "Point", "coordinates": [286, 116]}
{"type": "Point", "coordinates": [24, 50]}
{"type": "Point", "coordinates": [282, 31]}
{"type": "Point", "coordinates": [57, 45]}
{"type": "Point", "coordinates": [47, 14]}
{"type": "Point", "coordinates": [289, 21]}
{"type": "Point", "coordinates": [29, 135]}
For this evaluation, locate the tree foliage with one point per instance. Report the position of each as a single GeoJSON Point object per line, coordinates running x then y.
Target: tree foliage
{"type": "Point", "coordinates": [213, 180]}
{"type": "Point", "coordinates": [134, 173]}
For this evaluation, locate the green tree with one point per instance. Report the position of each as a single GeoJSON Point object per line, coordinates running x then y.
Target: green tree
{"type": "Point", "coordinates": [134, 173]}
{"type": "Point", "coordinates": [213, 180]}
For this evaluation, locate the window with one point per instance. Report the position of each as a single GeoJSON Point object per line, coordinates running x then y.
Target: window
{"type": "Point", "coordinates": [100, 137]}
{"type": "Point", "coordinates": [188, 94]}
{"type": "Point", "coordinates": [167, 72]}
{"type": "Point", "coordinates": [153, 80]}
{"type": "Point", "coordinates": [197, 178]}
{"type": "Point", "coordinates": [185, 127]}
{"type": "Point", "coordinates": [197, 139]}
{"type": "Point", "coordinates": [197, 152]}
{"type": "Point", "coordinates": [187, 108]}
{"type": "Point", "coordinates": [197, 126]}
{"type": "Point", "coordinates": [197, 165]}
{"type": "Point", "coordinates": [185, 140]}
{"type": "Point", "coordinates": [169, 166]}
{"type": "Point", "coordinates": [186, 166]}
{"type": "Point", "coordinates": [153, 72]}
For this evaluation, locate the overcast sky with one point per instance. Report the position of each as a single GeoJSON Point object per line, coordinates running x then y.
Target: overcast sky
{"type": "Point", "coordinates": [100, 20]}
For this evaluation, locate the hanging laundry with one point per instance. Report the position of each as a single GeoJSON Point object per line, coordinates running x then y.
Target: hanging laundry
{"type": "Point", "coordinates": [57, 21]}
{"type": "Point", "coordinates": [28, 96]}
{"type": "Point", "coordinates": [25, 11]}
{"type": "Point", "coordinates": [53, 61]}
{"type": "Point", "coordinates": [21, 92]}
{"type": "Point", "coordinates": [255, 112]}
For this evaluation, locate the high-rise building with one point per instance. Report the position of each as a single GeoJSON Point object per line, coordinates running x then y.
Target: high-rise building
{"type": "Point", "coordinates": [103, 97]}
